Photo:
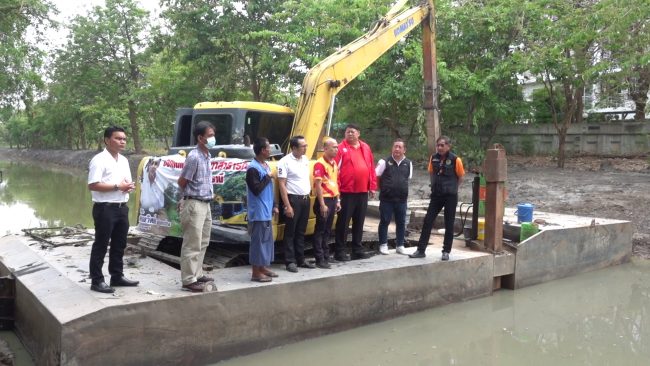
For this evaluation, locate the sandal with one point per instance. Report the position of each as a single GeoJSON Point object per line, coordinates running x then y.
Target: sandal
{"type": "Point", "coordinates": [261, 279]}
{"type": "Point", "coordinates": [270, 273]}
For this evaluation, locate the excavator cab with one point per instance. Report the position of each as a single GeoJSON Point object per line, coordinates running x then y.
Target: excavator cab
{"type": "Point", "coordinates": [236, 124]}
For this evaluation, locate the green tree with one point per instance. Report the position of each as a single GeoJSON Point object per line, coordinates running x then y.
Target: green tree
{"type": "Point", "coordinates": [20, 58]}
{"type": "Point", "coordinates": [559, 49]}
{"type": "Point", "coordinates": [541, 106]}
{"type": "Point", "coordinates": [234, 46]}
{"type": "Point", "coordinates": [625, 41]}
{"type": "Point", "coordinates": [99, 70]}
{"type": "Point", "coordinates": [169, 84]}
{"type": "Point", "coordinates": [479, 84]}
{"type": "Point", "coordinates": [386, 97]}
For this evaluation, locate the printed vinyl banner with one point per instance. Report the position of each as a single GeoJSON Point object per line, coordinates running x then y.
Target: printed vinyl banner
{"type": "Point", "coordinates": [160, 195]}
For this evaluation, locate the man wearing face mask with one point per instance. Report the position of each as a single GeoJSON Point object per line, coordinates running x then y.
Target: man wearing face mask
{"type": "Point", "coordinates": [195, 183]}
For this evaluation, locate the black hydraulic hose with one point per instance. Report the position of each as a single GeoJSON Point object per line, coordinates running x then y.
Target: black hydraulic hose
{"type": "Point", "coordinates": [463, 219]}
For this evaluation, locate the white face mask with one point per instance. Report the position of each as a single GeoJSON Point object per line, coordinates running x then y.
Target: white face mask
{"type": "Point", "coordinates": [211, 142]}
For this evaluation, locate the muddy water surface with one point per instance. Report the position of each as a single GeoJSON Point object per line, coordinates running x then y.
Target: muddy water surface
{"type": "Point", "coordinates": [598, 318]}
{"type": "Point", "coordinates": [32, 196]}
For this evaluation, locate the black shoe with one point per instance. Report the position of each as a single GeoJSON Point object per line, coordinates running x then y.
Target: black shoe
{"type": "Point", "coordinates": [445, 256]}
{"type": "Point", "coordinates": [123, 281]}
{"type": "Point", "coordinates": [291, 267]}
{"type": "Point", "coordinates": [306, 265]}
{"type": "Point", "coordinates": [341, 258]}
{"type": "Point", "coordinates": [102, 287]}
{"type": "Point", "coordinates": [417, 254]}
{"type": "Point", "coordinates": [323, 265]}
{"type": "Point", "coordinates": [362, 255]}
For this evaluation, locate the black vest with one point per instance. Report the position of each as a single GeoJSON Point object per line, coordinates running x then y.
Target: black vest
{"type": "Point", "coordinates": [394, 180]}
{"type": "Point", "coordinates": [443, 179]}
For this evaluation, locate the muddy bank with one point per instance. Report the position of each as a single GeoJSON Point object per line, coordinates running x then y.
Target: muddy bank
{"type": "Point", "coordinates": [75, 159]}
{"type": "Point", "coordinates": [617, 188]}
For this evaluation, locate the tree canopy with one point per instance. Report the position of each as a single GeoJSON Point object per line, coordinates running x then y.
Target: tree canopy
{"type": "Point", "coordinates": [120, 66]}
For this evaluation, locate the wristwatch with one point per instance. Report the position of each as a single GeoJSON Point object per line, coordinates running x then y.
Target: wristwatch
{"type": "Point", "coordinates": [116, 188]}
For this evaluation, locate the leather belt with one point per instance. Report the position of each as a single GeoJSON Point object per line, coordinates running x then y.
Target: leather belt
{"type": "Point", "coordinates": [197, 199]}
{"type": "Point", "coordinates": [111, 204]}
{"type": "Point", "coordinates": [299, 196]}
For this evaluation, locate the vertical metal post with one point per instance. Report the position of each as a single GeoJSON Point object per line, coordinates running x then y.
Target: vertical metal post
{"type": "Point", "coordinates": [476, 186]}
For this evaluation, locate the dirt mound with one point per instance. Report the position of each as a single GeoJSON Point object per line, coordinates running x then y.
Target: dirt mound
{"type": "Point", "coordinates": [587, 163]}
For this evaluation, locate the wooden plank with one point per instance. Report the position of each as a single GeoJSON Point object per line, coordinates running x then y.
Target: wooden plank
{"type": "Point", "coordinates": [172, 258]}
{"type": "Point", "coordinates": [494, 217]}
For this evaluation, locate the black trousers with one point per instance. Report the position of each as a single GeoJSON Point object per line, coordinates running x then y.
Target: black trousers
{"type": "Point", "coordinates": [111, 224]}
{"type": "Point", "coordinates": [323, 228]}
{"type": "Point", "coordinates": [294, 230]}
{"type": "Point", "coordinates": [437, 203]}
{"type": "Point", "coordinates": [353, 206]}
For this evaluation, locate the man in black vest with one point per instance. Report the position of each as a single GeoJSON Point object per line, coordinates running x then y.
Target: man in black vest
{"type": "Point", "coordinates": [446, 171]}
{"type": "Point", "coordinates": [393, 173]}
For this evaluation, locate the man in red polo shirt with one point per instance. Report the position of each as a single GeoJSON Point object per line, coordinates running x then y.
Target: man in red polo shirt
{"type": "Point", "coordinates": [356, 180]}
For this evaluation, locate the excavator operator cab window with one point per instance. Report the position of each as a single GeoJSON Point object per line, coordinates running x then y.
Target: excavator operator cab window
{"type": "Point", "coordinates": [184, 130]}
{"type": "Point", "coordinates": [274, 126]}
{"type": "Point", "coordinates": [222, 126]}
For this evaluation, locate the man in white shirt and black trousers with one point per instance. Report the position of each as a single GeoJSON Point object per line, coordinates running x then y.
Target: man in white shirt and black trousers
{"type": "Point", "coordinates": [109, 181]}
{"type": "Point", "coordinates": [293, 179]}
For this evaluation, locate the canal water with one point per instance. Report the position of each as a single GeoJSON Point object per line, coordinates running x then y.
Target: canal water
{"type": "Point", "coordinates": [598, 318]}
{"type": "Point", "coordinates": [33, 196]}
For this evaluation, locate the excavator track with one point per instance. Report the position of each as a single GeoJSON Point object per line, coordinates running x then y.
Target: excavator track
{"type": "Point", "coordinates": [167, 249]}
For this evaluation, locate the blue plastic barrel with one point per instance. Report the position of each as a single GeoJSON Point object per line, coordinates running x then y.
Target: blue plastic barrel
{"type": "Point", "coordinates": [524, 212]}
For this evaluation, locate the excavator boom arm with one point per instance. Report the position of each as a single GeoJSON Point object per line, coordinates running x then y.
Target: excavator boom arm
{"type": "Point", "coordinates": [331, 75]}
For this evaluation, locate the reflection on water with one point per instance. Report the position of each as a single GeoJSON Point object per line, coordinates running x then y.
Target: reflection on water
{"type": "Point", "coordinates": [598, 318]}
{"type": "Point", "coordinates": [21, 356]}
{"type": "Point", "coordinates": [31, 196]}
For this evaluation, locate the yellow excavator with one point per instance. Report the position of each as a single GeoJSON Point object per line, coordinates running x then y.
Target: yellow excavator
{"type": "Point", "coordinates": [238, 123]}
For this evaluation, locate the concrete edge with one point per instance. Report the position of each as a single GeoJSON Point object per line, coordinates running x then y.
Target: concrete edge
{"type": "Point", "coordinates": [555, 254]}
{"type": "Point", "coordinates": [216, 326]}
{"type": "Point", "coordinates": [45, 299]}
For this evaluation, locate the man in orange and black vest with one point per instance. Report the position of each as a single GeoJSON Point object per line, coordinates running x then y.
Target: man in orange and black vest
{"type": "Point", "coordinates": [327, 203]}
{"type": "Point", "coordinates": [446, 171]}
